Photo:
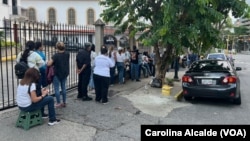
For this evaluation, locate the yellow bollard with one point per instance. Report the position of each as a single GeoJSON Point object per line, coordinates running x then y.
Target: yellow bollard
{"type": "Point", "coordinates": [166, 90]}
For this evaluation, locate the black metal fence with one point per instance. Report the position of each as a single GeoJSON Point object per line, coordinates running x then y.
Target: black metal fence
{"type": "Point", "coordinates": [14, 35]}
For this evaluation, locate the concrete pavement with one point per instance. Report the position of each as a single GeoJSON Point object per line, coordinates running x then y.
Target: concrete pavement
{"type": "Point", "coordinates": [130, 106]}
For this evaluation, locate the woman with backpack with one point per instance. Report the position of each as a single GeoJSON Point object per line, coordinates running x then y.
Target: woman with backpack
{"type": "Point", "coordinates": [29, 56]}
{"type": "Point", "coordinates": [33, 60]}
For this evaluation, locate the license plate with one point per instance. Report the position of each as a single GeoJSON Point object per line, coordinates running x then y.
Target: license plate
{"type": "Point", "coordinates": [207, 81]}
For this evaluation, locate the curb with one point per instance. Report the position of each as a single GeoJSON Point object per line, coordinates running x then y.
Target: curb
{"type": "Point", "coordinates": [178, 96]}
{"type": "Point", "coordinates": [8, 58]}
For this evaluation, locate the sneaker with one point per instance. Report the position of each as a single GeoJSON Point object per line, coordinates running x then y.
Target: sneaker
{"type": "Point", "coordinates": [104, 103]}
{"type": "Point", "coordinates": [86, 98]}
{"type": "Point", "coordinates": [58, 105]}
{"type": "Point", "coordinates": [45, 116]}
{"type": "Point", "coordinates": [51, 123]}
{"type": "Point", "coordinates": [63, 105]}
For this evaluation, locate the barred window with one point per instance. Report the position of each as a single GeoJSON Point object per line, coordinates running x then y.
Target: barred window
{"type": "Point", "coordinates": [90, 16]}
{"type": "Point", "coordinates": [32, 14]}
{"type": "Point", "coordinates": [52, 16]}
{"type": "Point", "coordinates": [71, 17]}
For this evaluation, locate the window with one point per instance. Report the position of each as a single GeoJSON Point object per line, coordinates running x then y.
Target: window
{"type": "Point", "coordinates": [32, 14]}
{"type": "Point", "coordinates": [5, 1]}
{"type": "Point", "coordinates": [52, 16]}
{"type": "Point", "coordinates": [71, 17]}
{"type": "Point", "coordinates": [90, 16]}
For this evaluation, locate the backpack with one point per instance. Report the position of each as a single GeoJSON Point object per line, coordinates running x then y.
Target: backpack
{"type": "Point", "coordinates": [156, 82]}
{"type": "Point", "coordinates": [20, 69]}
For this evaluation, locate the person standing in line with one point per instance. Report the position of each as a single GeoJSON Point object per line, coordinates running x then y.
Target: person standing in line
{"type": "Point", "coordinates": [153, 57]}
{"type": "Point", "coordinates": [42, 81]}
{"type": "Point", "coordinates": [42, 69]}
{"type": "Point", "coordinates": [120, 64]}
{"type": "Point", "coordinates": [27, 99]}
{"type": "Point", "coordinates": [127, 64]}
{"type": "Point", "coordinates": [112, 55]}
{"type": "Point", "coordinates": [34, 60]}
{"type": "Point", "coordinates": [92, 58]}
{"type": "Point", "coordinates": [60, 61]}
{"type": "Point", "coordinates": [134, 64]}
{"type": "Point", "coordinates": [83, 70]}
{"type": "Point", "coordinates": [29, 56]}
{"type": "Point", "coordinates": [102, 75]}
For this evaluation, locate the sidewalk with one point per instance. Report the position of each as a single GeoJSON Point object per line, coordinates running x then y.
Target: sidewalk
{"type": "Point", "coordinates": [130, 106]}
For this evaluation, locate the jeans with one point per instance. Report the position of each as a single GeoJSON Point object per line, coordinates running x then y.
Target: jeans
{"type": "Point", "coordinates": [57, 83]}
{"type": "Point", "coordinates": [47, 100]}
{"type": "Point", "coordinates": [134, 71]}
{"type": "Point", "coordinates": [120, 68]}
{"type": "Point", "coordinates": [112, 76]}
{"type": "Point", "coordinates": [91, 81]}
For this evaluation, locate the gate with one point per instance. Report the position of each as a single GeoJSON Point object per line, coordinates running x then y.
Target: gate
{"type": "Point", "coordinates": [14, 35]}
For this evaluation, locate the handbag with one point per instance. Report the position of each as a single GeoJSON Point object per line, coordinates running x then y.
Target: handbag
{"type": "Point", "coordinates": [49, 74]}
{"type": "Point", "coordinates": [156, 82]}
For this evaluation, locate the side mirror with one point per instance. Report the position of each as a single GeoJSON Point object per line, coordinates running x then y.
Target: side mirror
{"type": "Point", "coordinates": [238, 68]}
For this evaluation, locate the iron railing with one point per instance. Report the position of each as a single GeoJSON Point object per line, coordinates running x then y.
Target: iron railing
{"type": "Point", "coordinates": [14, 35]}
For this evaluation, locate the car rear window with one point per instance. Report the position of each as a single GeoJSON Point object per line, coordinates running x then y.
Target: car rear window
{"type": "Point", "coordinates": [210, 65]}
{"type": "Point", "coordinates": [216, 56]}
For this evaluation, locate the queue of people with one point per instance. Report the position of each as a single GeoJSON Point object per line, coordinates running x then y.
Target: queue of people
{"type": "Point", "coordinates": [96, 73]}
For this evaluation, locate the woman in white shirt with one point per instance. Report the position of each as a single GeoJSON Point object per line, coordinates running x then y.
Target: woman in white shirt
{"type": "Point", "coordinates": [102, 75]}
{"type": "Point", "coordinates": [27, 99]}
{"type": "Point", "coordinates": [120, 64]}
{"type": "Point", "coordinates": [29, 56]}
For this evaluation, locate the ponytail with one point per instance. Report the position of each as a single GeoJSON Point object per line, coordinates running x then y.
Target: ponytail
{"type": "Point", "coordinates": [30, 45]}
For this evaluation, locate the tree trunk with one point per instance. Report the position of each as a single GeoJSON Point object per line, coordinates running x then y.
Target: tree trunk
{"type": "Point", "coordinates": [163, 61]}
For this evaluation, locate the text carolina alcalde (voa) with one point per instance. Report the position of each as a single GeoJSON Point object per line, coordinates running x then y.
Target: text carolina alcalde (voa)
{"type": "Point", "coordinates": [187, 132]}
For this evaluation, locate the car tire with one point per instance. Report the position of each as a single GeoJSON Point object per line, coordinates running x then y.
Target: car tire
{"type": "Point", "coordinates": [237, 101]}
{"type": "Point", "coordinates": [187, 98]}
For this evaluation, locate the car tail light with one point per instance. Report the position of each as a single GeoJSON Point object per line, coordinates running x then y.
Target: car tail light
{"type": "Point", "coordinates": [229, 79]}
{"type": "Point", "coordinates": [187, 79]}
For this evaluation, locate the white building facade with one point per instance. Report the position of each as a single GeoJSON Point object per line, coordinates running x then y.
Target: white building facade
{"type": "Point", "coordinates": [70, 12]}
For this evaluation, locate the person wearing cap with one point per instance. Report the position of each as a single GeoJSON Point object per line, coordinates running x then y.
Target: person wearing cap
{"type": "Point", "coordinates": [83, 70]}
{"type": "Point", "coordinates": [120, 64]}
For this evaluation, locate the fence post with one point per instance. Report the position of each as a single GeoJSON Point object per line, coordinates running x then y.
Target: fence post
{"type": "Point", "coordinates": [99, 35]}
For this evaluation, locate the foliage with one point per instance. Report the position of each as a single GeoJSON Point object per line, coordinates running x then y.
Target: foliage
{"type": "Point", "coordinates": [241, 30]}
{"type": "Point", "coordinates": [6, 44]}
{"type": "Point", "coordinates": [170, 81]}
{"type": "Point", "coordinates": [172, 24]}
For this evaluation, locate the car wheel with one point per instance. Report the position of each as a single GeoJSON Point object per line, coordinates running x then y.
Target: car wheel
{"type": "Point", "coordinates": [187, 98]}
{"type": "Point", "coordinates": [237, 101]}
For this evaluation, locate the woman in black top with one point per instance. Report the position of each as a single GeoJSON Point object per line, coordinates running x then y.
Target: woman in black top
{"type": "Point", "coordinates": [60, 61]}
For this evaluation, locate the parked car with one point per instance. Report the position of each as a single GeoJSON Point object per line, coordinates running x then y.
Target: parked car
{"type": "Point", "coordinates": [75, 47]}
{"type": "Point", "coordinates": [221, 56]}
{"type": "Point", "coordinates": [212, 79]}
